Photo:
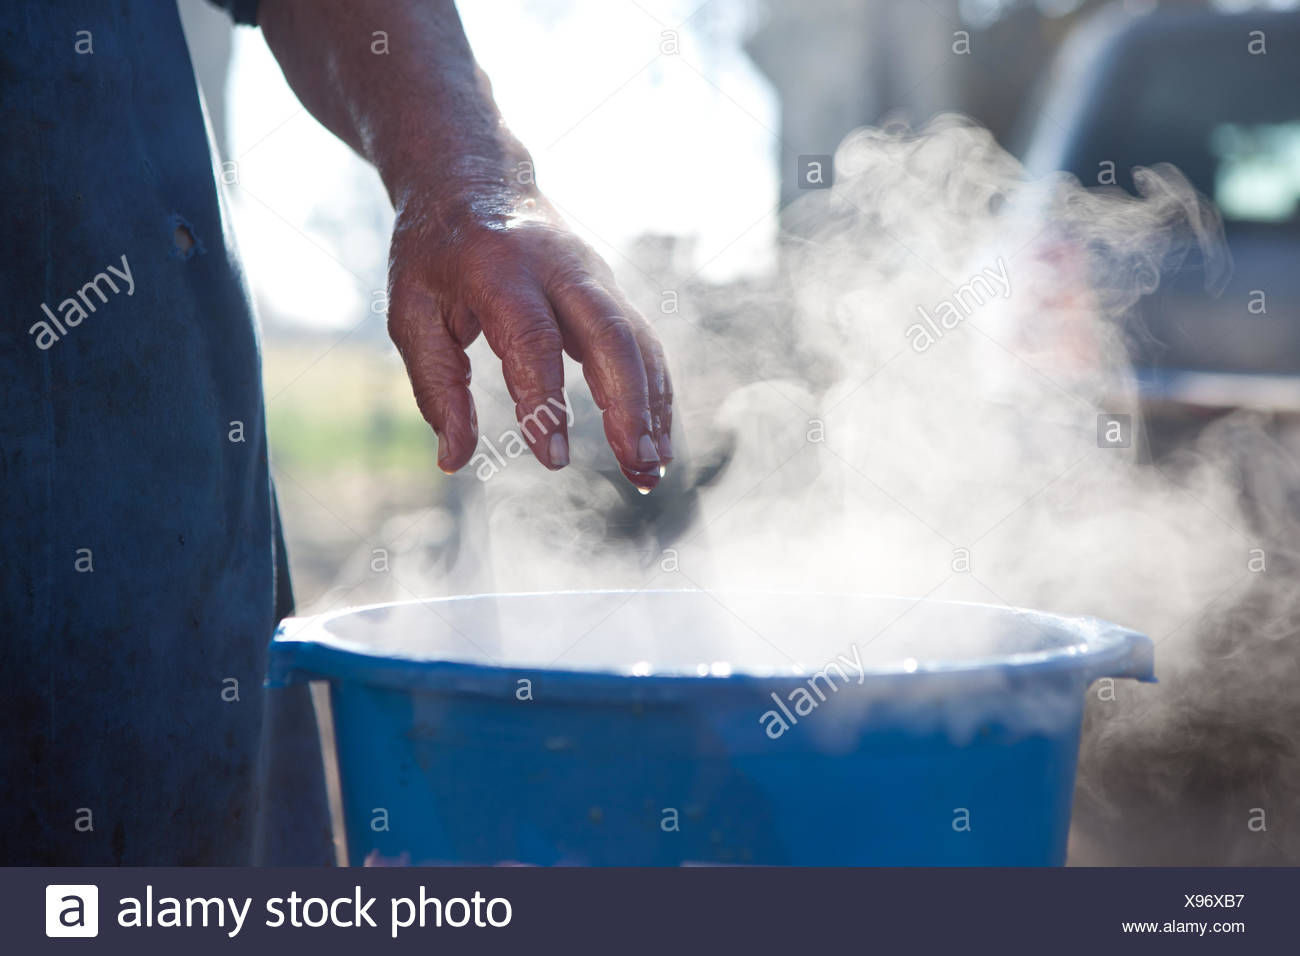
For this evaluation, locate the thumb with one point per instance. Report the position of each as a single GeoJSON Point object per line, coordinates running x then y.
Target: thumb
{"type": "Point", "coordinates": [439, 372]}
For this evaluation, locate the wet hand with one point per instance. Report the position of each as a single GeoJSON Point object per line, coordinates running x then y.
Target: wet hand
{"type": "Point", "coordinates": [500, 261]}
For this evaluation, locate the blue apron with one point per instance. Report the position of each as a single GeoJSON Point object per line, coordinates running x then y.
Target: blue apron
{"type": "Point", "coordinates": [141, 567]}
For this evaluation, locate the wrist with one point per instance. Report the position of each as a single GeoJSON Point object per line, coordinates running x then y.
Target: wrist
{"type": "Point", "coordinates": [467, 191]}
{"type": "Point", "coordinates": [492, 165]}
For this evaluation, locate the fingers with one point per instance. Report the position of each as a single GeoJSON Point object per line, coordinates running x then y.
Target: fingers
{"type": "Point", "coordinates": [524, 334]}
{"type": "Point", "coordinates": [599, 333]}
{"type": "Point", "coordinates": [530, 325]}
{"type": "Point", "coordinates": [659, 387]}
{"type": "Point", "coordinates": [439, 372]}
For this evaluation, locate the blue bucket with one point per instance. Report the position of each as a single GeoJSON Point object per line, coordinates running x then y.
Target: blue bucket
{"type": "Point", "coordinates": [677, 727]}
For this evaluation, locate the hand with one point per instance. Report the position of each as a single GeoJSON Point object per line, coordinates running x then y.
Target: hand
{"type": "Point", "coordinates": [500, 260]}
{"type": "Point", "coordinates": [473, 249]}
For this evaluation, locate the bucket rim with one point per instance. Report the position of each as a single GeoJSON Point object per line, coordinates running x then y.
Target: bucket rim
{"type": "Point", "coordinates": [1103, 649]}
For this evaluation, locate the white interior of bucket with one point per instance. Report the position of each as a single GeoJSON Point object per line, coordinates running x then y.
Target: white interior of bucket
{"type": "Point", "coordinates": [695, 632]}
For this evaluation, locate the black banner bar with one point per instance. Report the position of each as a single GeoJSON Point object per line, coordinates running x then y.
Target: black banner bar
{"type": "Point", "coordinates": [717, 910]}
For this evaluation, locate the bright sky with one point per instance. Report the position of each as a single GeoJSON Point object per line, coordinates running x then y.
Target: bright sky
{"type": "Point", "coordinates": [626, 140]}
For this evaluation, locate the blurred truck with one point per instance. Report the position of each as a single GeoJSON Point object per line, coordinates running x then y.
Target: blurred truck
{"type": "Point", "coordinates": [1218, 96]}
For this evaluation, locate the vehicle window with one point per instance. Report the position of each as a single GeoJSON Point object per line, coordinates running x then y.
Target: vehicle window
{"type": "Point", "coordinates": [1257, 178]}
{"type": "Point", "coordinates": [1229, 120]}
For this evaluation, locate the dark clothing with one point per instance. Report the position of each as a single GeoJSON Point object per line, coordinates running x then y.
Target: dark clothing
{"type": "Point", "coordinates": [138, 559]}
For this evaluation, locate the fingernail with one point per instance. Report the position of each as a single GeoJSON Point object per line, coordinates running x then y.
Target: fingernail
{"type": "Point", "coordinates": [442, 453]}
{"type": "Point", "coordinates": [646, 452]}
{"type": "Point", "coordinates": [558, 451]}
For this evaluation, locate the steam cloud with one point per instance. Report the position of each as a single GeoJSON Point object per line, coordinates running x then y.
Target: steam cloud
{"type": "Point", "coordinates": [825, 450]}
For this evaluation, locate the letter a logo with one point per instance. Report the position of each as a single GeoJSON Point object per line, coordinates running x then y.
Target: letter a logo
{"type": "Point", "coordinates": [71, 910]}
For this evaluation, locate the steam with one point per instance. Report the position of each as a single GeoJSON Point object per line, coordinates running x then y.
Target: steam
{"type": "Point", "coordinates": [823, 449]}
{"type": "Point", "coordinates": [852, 459]}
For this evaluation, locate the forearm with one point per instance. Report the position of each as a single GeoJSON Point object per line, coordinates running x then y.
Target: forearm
{"type": "Point", "coordinates": [422, 112]}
